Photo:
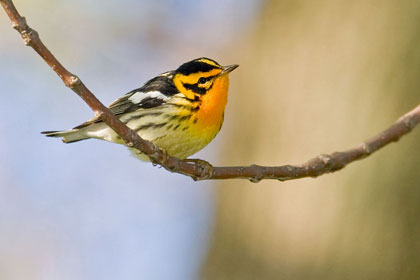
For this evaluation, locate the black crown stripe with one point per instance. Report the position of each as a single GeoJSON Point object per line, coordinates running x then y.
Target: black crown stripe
{"type": "Point", "coordinates": [195, 67]}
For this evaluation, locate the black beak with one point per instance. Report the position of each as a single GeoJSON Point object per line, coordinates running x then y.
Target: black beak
{"type": "Point", "coordinates": [229, 68]}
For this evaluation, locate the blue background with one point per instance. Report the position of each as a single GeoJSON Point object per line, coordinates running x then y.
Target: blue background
{"type": "Point", "coordinates": [90, 210]}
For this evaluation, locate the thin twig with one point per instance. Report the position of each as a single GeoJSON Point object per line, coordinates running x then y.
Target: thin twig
{"type": "Point", "coordinates": [200, 169]}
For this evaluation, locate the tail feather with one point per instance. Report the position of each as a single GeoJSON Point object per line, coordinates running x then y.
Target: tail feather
{"type": "Point", "coordinates": [68, 136]}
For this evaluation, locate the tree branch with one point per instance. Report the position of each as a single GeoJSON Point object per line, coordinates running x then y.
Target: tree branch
{"type": "Point", "coordinates": [200, 169]}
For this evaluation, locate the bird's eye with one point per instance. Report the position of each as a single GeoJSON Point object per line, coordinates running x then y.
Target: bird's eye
{"type": "Point", "coordinates": [202, 80]}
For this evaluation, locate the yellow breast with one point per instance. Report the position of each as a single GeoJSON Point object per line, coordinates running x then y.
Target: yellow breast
{"type": "Point", "coordinates": [202, 127]}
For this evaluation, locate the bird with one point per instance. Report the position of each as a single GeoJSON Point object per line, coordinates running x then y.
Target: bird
{"type": "Point", "coordinates": [180, 111]}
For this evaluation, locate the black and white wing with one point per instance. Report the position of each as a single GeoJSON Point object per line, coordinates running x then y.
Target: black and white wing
{"type": "Point", "coordinates": [154, 93]}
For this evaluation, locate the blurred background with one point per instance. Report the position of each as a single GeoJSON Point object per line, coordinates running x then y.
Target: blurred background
{"type": "Point", "coordinates": [315, 77]}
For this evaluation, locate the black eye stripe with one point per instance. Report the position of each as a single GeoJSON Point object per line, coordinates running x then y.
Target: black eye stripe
{"type": "Point", "coordinates": [205, 79]}
{"type": "Point", "coordinates": [195, 88]}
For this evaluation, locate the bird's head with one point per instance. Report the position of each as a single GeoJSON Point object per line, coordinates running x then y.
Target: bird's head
{"type": "Point", "coordinates": [197, 77]}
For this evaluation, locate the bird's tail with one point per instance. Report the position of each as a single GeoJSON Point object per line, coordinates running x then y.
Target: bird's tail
{"type": "Point", "coordinates": [68, 136]}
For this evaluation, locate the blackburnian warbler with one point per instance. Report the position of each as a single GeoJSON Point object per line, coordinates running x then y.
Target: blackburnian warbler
{"type": "Point", "coordinates": [180, 111]}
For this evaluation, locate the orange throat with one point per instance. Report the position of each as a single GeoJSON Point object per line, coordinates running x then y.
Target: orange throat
{"type": "Point", "coordinates": [213, 103]}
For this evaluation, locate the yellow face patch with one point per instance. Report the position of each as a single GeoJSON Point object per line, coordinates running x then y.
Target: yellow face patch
{"type": "Point", "coordinates": [194, 77]}
{"type": "Point", "coordinates": [181, 80]}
